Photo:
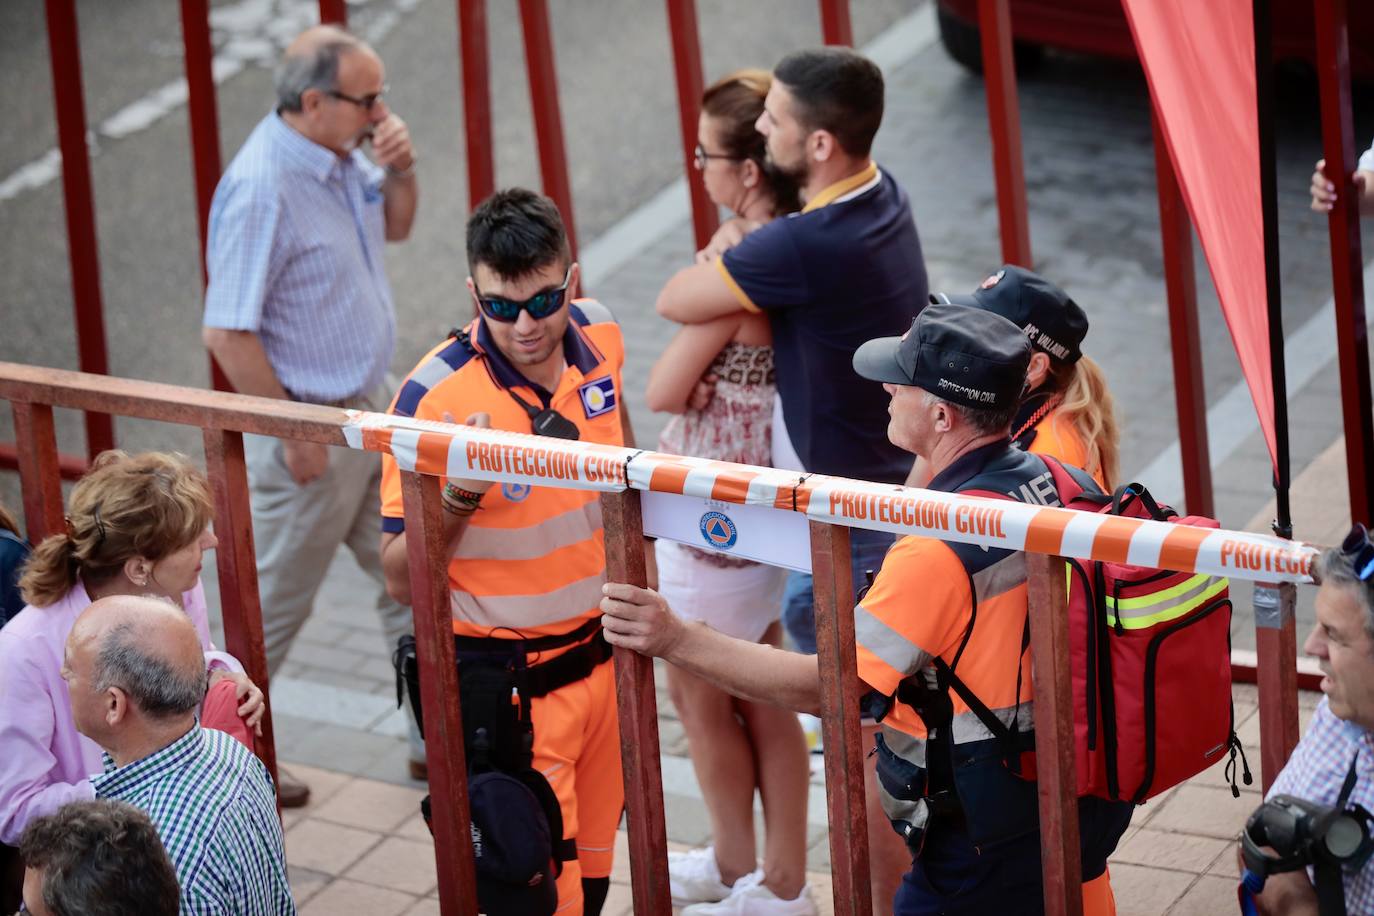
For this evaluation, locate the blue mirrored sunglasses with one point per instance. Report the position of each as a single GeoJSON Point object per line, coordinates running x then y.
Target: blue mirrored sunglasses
{"type": "Point", "coordinates": [1360, 549]}
{"type": "Point", "coordinates": [540, 305]}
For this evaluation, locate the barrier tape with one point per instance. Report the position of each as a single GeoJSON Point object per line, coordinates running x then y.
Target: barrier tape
{"type": "Point", "coordinates": [486, 454]}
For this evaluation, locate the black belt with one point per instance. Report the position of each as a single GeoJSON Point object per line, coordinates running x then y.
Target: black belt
{"type": "Point", "coordinates": [542, 679]}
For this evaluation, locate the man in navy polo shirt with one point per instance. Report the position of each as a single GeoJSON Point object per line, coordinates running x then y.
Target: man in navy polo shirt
{"type": "Point", "coordinates": [844, 270]}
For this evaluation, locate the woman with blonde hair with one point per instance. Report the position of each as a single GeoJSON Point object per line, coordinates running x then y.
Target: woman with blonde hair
{"type": "Point", "coordinates": [736, 746]}
{"type": "Point", "coordinates": [135, 525]}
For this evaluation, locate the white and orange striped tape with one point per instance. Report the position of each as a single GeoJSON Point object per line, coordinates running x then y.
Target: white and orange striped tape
{"type": "Point", "coordinates": [484, 454]}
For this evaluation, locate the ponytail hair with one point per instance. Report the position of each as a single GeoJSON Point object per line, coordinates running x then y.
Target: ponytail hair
{"type": "Point", "coordinates": [147, 505]}
{"type": "Point", "coordinates": [1087, 404]}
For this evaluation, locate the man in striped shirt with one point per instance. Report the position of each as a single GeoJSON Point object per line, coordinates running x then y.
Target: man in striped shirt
{"type": "Point", "coordinates": [136, 676]}
{"type": "Point", "coordinates": [298, 307]}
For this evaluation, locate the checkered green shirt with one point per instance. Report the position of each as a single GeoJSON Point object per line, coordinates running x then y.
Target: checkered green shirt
{"type": "Point", "coordinates": [212, 803]}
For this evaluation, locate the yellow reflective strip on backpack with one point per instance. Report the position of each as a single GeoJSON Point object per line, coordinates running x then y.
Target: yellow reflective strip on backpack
{"type": "Point", "coordinates": [1192, 583]}
{"type": "Point", "coordinates": [1168, 608]}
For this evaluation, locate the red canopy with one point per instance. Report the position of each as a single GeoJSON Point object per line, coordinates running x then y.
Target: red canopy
{"type": "Point", "coordinates": [1199, 59]}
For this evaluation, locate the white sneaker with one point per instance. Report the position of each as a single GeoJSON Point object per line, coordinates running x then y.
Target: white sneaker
{"type": "Point", "coordinates": [749, 897]}
{"type": "Point", "coordinates": [694, 877]}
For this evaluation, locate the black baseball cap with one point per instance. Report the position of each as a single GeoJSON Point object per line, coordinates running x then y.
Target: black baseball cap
{"type": "Point", "coordinates": [1052, 321]}
{"type": "Point", "coordinates": [512, 845]}
{"type": "Point", "coordinates": [962, 354]}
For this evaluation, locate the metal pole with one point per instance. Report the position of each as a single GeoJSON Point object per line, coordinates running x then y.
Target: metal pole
{"type": "Point", "coordinates": [844, 754]}
{"type": "Point", "coordinates": [836, 28]}
{"type": "Point", "coordinates": [1180, 282]}
{"type": "Point", "coordinates": [1060, 864]}
{"type": "Point", "coordinates": [476, 74]}
{"type": "Point", "coordinates": [638, 708]}
{"type": "Point", "coordinates": [1275, 628]}
{"type": "Point", "coordinates": [548, 121]}
{"type": "Point", "coordinates": [82, 250]}
{"type": "Point", "coordinates": [205, 157]}
{"type": "Point", "coordinates": [1347, 269]}
{"type": "Point", "coordinates": [427, 555]}
{"type": "Point", "coordinates": [334, 11]}
{"type": "Point", "coordinates": [238, 572]}
{"type": "Point", "coordinates": [1004, 121]}
{"type": "Point", "coordinates": [682, 29]}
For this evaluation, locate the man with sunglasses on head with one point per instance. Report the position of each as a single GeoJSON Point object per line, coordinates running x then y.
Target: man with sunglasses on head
{"type": "Point", "coordinates": [1339, 743]}
{"type": "Point", "coordinates": [298, 307]}
{"type": "Point", "coordinates": [527, 563]}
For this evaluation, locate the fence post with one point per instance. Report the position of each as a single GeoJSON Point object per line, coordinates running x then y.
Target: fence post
{"type": "Point", "coordinates": [548, 121]}
{"type": "Point", "coordinates": [236, 563]}
{"type": "Point", "coordinates": [1061, 868]}
{"type": "Point", "coordinates": [1180, 282]}
{"type": "Point", "coordinates": [638, 707]}
{"type": "Point", "coordinates": [427, 555]}
{"type": "Point", "coordinates": [476, 75]}
{"type": "Point", "coordinates": [833, 591]}
{"type": "Point", "coordinates": [39, 473]}
{"type": "Point", "coordinates": [1347, 265]}
{"type": "Point", "coordinates": [1276, 673]}
{"type": "Point", "coordinates": [1004, 121]}
{"type": "Point", "coordinates": [83, 254]}
{"type": "Point", "coordinates": [836, 28]}
{"type": "Point", "coordinates": [682, 28]}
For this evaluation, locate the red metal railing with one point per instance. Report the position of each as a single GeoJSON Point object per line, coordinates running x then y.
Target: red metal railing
{"type": "Point", "coordinates": [224, 418]}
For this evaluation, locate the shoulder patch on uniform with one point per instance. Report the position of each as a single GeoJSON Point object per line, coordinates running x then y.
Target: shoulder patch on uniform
{"type": "Point", "coordinates": [438, 366]}
{"type": "Point", "coordinates": [589, 311]}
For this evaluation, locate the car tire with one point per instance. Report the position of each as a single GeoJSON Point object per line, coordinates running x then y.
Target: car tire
{"type": "Point", "coordinates": [963, 42]}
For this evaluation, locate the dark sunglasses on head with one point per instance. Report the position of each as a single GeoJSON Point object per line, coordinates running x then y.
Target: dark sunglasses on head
{"type": "Point", "coordinates": [1360, 549]}
{"type": "Point", "coordinates": [540, 305]}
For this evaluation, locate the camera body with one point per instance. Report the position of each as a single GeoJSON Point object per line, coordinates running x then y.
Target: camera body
{"type": "Point", "coordinates": [1330, 838]}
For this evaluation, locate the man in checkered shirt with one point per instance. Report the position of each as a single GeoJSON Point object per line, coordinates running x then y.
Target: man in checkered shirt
{"type": "Point", "coordinates": [136, 677]}
{"type": "Point", "coordinates": [1342, 729]}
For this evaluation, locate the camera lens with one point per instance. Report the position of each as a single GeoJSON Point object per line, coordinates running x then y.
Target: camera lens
{"type": "Point", "coordinates": [1343, 837]}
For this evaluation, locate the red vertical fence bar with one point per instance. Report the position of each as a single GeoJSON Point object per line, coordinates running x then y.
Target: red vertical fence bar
{"type": "Point", "coordinates": [335, 11]}
{"type": "Point", "coordinates": [548, 120]}
{"type": "Point", "coordinates": [1347, 267]}
{"type": "Point", "coordinates": [1180, 282]}
{"type": "Point", "coordinates": [1276, 673]}
{"type": "Point", "coordinates": [238, 571]}
{"type": "Point", "coordinates": [83, 255]}
{"type": "Point", "coordinates": [844, 754]}
{"type": "Point", "coordinates": [427, 553]}
{"type": "Point", "coordinates": [476, 73]}
{"type": "Point", "coordinates": [1054, 748]}
{"type": "Point", "coordinates": [1004, 119]}
{"type": "Point", "coordinates": [686, 40]}
{"type": "Point", "coordinates": [638, 709]}
{"type": "Point", "coordinates": [39, 474]}
{"type": "Point", "coordinates": [205, 155]}
{"type": "Point", "coordinates": [836, 28]}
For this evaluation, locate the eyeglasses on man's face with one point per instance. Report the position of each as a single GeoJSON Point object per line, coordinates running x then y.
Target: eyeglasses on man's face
{"type": "Point", "coordinates": [365, 102]}
{"type": "Point", "coordinates": [540, 305]}
{"type": "Point", "coordinates": [700, 157]}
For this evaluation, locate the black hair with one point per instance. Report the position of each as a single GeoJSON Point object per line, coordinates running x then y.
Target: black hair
{"type": "Point", "coordinates": [101, 856]}
{"type": "Point", "coordinates": [515, 232]}
{"type": "Point", "coordinates": [835, 90]}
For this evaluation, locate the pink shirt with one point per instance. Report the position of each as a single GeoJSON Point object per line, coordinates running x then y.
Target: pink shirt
{"type": "Point", "coordinates": [44, 761]}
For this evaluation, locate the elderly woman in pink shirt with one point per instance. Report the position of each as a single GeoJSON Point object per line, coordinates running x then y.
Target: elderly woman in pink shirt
{"type": "Point", "coordinates": [136, 525]}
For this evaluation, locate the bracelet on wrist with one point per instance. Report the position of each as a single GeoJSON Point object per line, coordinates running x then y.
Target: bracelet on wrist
{"type": "Point", "coordinates": [462, 510]}
{"type": "Point", "coordinates": [406, 172]}
{"type": "Point", "coordinates": [461, 496]}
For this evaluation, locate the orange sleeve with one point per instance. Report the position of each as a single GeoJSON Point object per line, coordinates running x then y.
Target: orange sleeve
{"type": "Point", "coordinates": [917, 608]}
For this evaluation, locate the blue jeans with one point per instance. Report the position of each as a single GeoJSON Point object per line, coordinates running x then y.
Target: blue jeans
{"type": "Point", "coordinates": [866, 551]}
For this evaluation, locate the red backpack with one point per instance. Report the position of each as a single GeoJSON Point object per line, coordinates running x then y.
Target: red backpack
{"type": "Point", "coordinates": [1150, 653]}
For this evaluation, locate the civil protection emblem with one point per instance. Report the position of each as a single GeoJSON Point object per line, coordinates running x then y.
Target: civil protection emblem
{"type": "Point", "coordinates": [515, 492]}
{"type": "Point", "coordinates": [598, 396]}
{"type": "Point", "coordinates": [718, 530]}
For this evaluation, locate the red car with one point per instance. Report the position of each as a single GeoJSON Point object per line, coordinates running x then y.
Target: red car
{"type": "Point", "coordinates": [1100, 27]}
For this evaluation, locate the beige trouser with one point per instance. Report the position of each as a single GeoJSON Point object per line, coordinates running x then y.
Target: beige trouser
{"type": "Point", "coordinates": [297, 529]}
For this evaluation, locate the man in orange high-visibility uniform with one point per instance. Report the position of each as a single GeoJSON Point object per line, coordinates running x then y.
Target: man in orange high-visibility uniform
{"type": "Point", "coordinates": [527, 562]}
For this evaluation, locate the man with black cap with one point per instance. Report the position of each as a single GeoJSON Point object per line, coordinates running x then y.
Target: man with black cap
{"type": "Point", "coordinates": [1067, 411]}
{"type": "Point", "coordinates": [955, 380]}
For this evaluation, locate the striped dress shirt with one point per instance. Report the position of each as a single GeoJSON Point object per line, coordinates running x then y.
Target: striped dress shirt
{"type": "Point", "coordinates": [212, 803]}
{"type": "Point", "coordinates": [294, 255]}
